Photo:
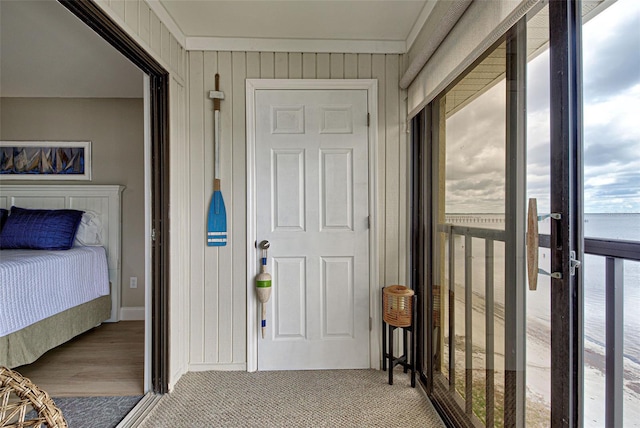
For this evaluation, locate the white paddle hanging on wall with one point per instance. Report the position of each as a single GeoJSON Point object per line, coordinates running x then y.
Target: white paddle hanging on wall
{"type": "Point", "coordinates": [217, 217]}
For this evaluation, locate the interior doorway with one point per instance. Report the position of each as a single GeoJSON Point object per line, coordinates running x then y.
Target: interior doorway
{"type": "Point", "coordinates": [157, 187]}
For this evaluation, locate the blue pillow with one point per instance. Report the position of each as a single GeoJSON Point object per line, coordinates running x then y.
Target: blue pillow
{"type": "Point", "coordinates": [40, 229]}
{"type": "Point", "coordinates": [3, 217]}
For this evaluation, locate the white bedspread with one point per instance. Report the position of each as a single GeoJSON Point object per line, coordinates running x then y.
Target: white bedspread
{"type": "Point", "coordinates": [35, 284]}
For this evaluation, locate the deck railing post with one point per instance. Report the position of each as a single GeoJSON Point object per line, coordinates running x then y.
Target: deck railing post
{"type": "Point", "coordinates": [468, 324]}
{"type": "Point", "coordinates": [614, 369]}
{"type": "Point", "coordinates": [452, 311]}
{"type": "Point", "coordinates": [489, 332]}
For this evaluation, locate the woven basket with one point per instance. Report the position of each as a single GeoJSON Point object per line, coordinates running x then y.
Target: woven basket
{"type": "Point", "coordinates": [23, 404]}
{"type": "Point", "coordinates": [397, 305]}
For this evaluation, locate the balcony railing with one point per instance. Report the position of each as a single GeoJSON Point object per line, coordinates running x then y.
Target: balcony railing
{"type": "Point", "coordinates": [616, 253]}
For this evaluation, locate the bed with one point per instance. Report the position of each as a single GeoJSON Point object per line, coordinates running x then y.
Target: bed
{"type": "Point", "coordinates": [70, 291]}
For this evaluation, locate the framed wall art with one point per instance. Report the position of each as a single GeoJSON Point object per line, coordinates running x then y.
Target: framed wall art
{"type": "Point", "coordinates": [45, 160]}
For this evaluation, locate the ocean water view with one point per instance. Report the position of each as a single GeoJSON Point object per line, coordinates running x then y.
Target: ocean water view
{"type": "Point", "coordinates": [609, 226]}
{"type": "Point", "coordinates": [612, 226]}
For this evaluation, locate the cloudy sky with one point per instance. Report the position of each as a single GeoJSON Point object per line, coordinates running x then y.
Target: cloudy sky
{"type": "Point", "coordinates": [611, 56]}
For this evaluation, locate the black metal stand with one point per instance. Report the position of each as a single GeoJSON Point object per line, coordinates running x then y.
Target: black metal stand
{"type": "Point", "coordinates": [408, 358]}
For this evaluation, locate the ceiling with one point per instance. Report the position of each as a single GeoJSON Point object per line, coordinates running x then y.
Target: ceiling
{"type": "Point", "coordinates": [390, 23]}
{"type": "Point", "coordinates": [45, 51]}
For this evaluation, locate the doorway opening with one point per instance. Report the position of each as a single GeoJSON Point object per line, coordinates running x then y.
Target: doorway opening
{"type": "Point", "coordinates": [157, 80]}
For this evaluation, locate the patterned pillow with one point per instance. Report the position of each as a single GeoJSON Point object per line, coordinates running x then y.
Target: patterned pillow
{"type": "Point", "coordinates": [40, 229]}
{"type": "Point", "coordinates": [3, 217]}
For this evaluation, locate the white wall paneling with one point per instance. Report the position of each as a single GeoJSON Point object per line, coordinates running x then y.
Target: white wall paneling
{"type": "Point", "coordinates": [141, 21]}
{"type": "Point", "coordinates": [218, 275]}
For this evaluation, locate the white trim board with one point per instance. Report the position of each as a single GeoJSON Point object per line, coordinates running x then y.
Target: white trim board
{"type": "Point", "coordinates": [295, 45]}
{"type": "Point", "coordinates": [223, 367]}
{"type": "Point", "coordinates": [371, 86]}
{"type": "Point", "coordinates": [168, 21]}
{"type": "Point", "coordinates": [148, 291]}
{"type": "Point", "coordinates": [417, 26]}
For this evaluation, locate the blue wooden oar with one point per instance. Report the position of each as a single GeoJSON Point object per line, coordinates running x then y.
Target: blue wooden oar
{"type": "Point", "coordinates": [217, 218]}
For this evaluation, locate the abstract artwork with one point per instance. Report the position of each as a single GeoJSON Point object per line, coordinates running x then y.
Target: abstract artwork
{"type": "Point", "coordinates": [45, 160]}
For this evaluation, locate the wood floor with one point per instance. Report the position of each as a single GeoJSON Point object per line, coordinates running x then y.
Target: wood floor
{"type": "Point", "coordinates": [105, 361]}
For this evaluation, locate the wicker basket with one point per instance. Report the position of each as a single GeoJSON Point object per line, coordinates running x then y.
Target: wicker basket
{"type": "Point", "coordinates": [397, 305]}
{"type": "Point", "coordinates": [23, 404]}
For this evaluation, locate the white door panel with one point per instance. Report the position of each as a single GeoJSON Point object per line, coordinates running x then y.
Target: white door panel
{"type": "Point", "coordinates": [289, 298]}
{"type": "Point", "coordinates": [312, 206]}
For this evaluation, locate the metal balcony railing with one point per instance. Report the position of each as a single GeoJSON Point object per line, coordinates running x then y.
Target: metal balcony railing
{"type": "Point", "coordinates": [616, 253]}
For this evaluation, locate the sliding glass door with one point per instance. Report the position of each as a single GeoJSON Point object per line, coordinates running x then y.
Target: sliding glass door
{"type": "Point", "coordinates": [498, 175]}
{"type": "Point", "coordinates": [468, 205]}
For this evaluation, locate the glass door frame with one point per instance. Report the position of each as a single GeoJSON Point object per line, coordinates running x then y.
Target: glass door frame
{"type": "Point", "coordinates": [566, 234]}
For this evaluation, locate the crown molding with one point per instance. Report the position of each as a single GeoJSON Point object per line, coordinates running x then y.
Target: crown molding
{"type": "Point", "coordinates": [295, 45]}
{"type": "Point", "coordinates": [158, 8]}
{"type": "Point", "coordinates": [417, 26]}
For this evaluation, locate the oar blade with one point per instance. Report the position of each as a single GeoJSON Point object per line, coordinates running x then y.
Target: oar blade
{"type": "Point", "coordinates": [217, 221]}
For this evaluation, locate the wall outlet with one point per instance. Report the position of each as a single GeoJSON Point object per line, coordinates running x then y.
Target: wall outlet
{"type": "Point", "coordinates": [133, 282]}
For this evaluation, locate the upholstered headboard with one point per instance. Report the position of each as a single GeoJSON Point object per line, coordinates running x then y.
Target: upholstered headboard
{"type": "Point", "coordinates": [104, 200]}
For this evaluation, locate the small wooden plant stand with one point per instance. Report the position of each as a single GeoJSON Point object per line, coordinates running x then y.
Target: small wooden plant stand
{"type": "Point", "coordinates": [399, 306]}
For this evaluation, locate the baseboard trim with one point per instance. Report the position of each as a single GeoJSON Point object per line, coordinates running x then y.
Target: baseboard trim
{"type": "Point", "coordinates": [205, 367]}
{"type": "Point", "coordinates": [132, 313]}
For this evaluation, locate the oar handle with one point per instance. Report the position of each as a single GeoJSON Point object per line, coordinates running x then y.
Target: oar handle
{"type": "Point", "coordinates": [216, 101]}
{"type": "Point", "coordinates": [216, 132]}
{"type": "Point", "coordinates": [216, 145]}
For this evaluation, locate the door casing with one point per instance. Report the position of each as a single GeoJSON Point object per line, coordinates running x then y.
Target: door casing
{"type": "Point", "coordinates": [253, 85]}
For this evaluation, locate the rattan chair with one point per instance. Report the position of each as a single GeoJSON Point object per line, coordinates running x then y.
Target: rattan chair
{"type": "Point", "coordinates": [23, 404]}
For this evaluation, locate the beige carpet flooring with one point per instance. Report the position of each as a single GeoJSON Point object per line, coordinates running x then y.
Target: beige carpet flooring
{"type": "Point", "coordinates": [327, 398]}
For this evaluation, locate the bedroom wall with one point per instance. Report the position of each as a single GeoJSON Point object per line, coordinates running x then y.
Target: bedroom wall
{"type": "Point", "coordinates": [115, 128]}
{"type": "Point", "coordinates": [218, 274]}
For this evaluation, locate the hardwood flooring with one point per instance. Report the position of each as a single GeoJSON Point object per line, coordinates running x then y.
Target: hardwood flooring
{"type": "Point", "coordinates": [105, 361]}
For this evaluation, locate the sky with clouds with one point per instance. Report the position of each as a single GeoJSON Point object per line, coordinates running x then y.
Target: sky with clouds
{"type": "Point", "coordinates": [611, 58]}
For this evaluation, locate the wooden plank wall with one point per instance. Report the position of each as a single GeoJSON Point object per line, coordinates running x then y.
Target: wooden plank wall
{"type": "Point", "coordinates": [218, 274]}
{"type": "Point", "coordinates": [146, 28]}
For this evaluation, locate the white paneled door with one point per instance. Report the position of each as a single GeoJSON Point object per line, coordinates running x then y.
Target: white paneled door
{"type": "Point", "coordinates": [312, 198]}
